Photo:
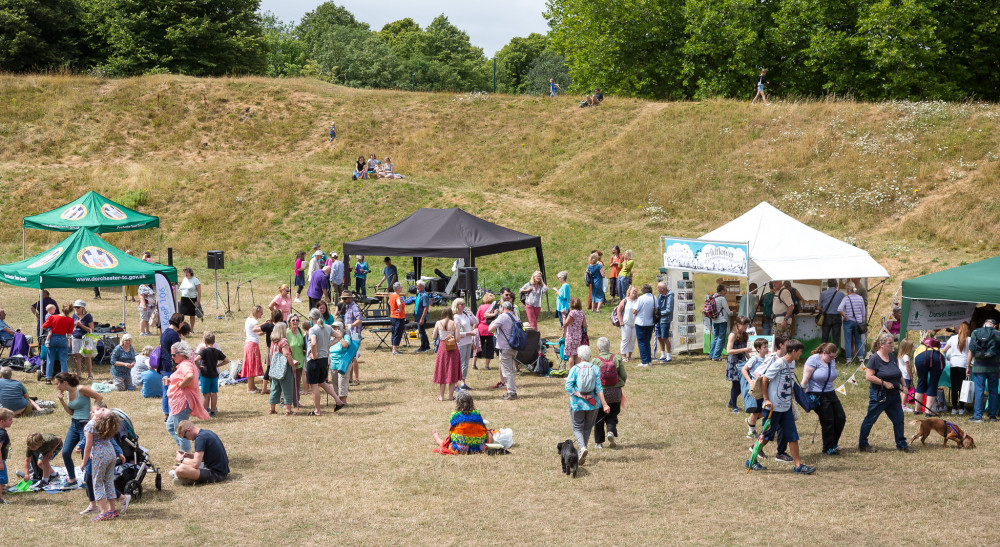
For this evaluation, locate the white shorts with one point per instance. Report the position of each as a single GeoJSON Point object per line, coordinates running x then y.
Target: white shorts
{"type": "Point", "coordinates": [76, 346]}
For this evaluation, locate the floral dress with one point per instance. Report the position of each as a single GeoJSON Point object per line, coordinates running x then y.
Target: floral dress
{"type": "Point", "coordinates": [735, 361]}
{"type": "Point", "coordinates": [574, 331]}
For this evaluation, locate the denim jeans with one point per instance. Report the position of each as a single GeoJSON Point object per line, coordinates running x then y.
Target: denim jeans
{"type": "Point", "coordinates": [644, 334]}
{"type": "Point", "coordinates": [767, 325]}
{"type": "Point", "coordinates": [879, 401]}
{"type": "Point", "coordinates": [172, 422]}
{"type": "Point", "coordinates": [853, 336]}
{"type": "Point", "coordinates": [73, 437]}
{"type": "Point", "coordinates": [425, 344]}
{"type": "Point", "coordinates": [623, 285]}
{"type": "Point", "coordinates": [718, 339]}
{"type": "Point", "coordinates": [57, 351]}
{"type": "Point", "coordinates": [984, 380]}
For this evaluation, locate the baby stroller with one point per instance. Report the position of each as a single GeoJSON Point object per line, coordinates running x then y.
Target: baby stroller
{"type": "Point", "coordinates": [129, 475]}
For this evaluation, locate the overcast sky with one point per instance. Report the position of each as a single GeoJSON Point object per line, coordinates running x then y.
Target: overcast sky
{"type": "Point", "coordinates": [489, 24]}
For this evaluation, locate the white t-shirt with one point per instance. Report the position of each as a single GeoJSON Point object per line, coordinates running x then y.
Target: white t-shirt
{"type": "Point", "coordinates": [904, 362]}
{"type": "Point", "coordinates": [956, 358]}
{"type": "Point", "coordinates": [248, 326]}
{"type": "Point", "coordinates": [189, 287]}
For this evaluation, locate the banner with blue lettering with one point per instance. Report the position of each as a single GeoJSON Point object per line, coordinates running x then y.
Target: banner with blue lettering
{"type": "Point", "coordinates": [938, 314]}
{"type": "Point", "coordinates": [164, 301]}
{"type": "Point", "coordinates": [698, 255]}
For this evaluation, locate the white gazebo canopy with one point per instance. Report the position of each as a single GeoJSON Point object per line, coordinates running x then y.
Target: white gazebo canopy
{"type": "Point", "coordinates": [782, 248]}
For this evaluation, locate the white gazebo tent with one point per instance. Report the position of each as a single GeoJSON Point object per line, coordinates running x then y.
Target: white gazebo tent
{"type": "Point", "coordinates": [782, 248]}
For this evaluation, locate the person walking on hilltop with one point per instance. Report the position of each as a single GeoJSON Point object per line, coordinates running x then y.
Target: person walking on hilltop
{"type": "Point", "coordinates": [554, 88]}
{"type": "Point", "coordinates": [760, 87]}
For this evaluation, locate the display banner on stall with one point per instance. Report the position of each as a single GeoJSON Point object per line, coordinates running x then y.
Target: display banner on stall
{"type": "Point", "coordinates": [938, 314]}
{"type": "Point", "coordinates": [698, 255]}
{"type": "Point", "coordinates": [164, 301]}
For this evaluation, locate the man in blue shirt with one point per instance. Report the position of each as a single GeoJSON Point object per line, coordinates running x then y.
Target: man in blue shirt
{"type": "Point", "coordinates": [336, 278]}
{"type": "Point", "coordinates": [664, 303]}
{"type": "Point", "coordinates": [390, 274]}
{"type": "Point", "coordinates": [6, 333]}
{"type": "Point", "coordinates": [829, 301]}
{"type": "Point", "coordinates": [420, 308]}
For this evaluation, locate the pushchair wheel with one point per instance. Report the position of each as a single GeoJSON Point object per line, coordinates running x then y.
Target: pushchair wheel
{"type": "Point", "coordinates": [134, 489]}
{"type": "Point", "coordinates": [159, 481]}
{"type": "Point", "coordinates": [39, 375]}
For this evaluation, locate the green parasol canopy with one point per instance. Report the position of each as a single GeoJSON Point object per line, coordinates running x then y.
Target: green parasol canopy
{"type": "Point", "coordinates": [94, 212]}
{"type": "Point", "coordinates": [976, 282]}
{"type": "Point", "coordinates": [83, 260]}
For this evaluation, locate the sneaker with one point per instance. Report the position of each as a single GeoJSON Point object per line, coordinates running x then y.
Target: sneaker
{"type": "Point", "coordinates": [907, 450]}
{"type": "Point", "coordinates": [918, 413]}
{"type": "Point", "coordinates": [954, 411]}
{"type": "Point", "coordinates": [43, 411]}
{"type": "Point", "coordinates": [297, 300]}
{"type": "Point", "coordinates": [611, 440]}
{"type": "Point", "coordinates": [993, 418]}
{"type": "Point", "coordinates": [668, 358]}
{"type": "Point", "coordinates": [868, 449]}
{"type": "Point", "coordinates": [90, 509]}
{"type": "Point", "coordinates": [975, 420]}
{"type": "Point", "coordinates": [126, 499]}
{"type": "Point", "coordinates": [832, 452]}
{"type": "Point", "coordinates": [465, 387]}
{"type": "Point", "coordinates": [736, 410]}
{"type": "Point", "coordinates": [46, 404]}
{"type": "Point", "coordinates": [755, 467]}
{"type": "Point", "coordinates": [805, 470]}
{"type": "Point", "coordinates": [961, 412]}
{"type": "Point", "coordinates": [662, 359]}
{"type": "Point", "coordinates": [3, 501]}
{"type": "Point", "coordinates": [782, 457]}
{"type": "Point", "coordinates": [211, 414]}
{"type": "Point", "coordinates": [499, 385]}
{"type": "Point", "coordinates": [751, 433]}
{"type": "Point", "coordinates": [509, 396]}
{"type": "Point", "coordinates": [172, 473]}
{"type": "Point", "coordinates": [599, 445]}
{"type": "Point", "coordinates": [421, 351]}
{"type": "Point", "coordinates": [760, 454]}
{"type": "Point", "coordinates": [908, 410]}
{"type": "Point", "coordinates": [643, 365]}
{"type": "Point", "coordinates": [583, 456]}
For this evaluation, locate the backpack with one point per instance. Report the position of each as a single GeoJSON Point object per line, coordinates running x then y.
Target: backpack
{"type": "Point", "coordinates": [710, 310]}
{"type": "Point", "coordinates": [986, 346]}
{"type": "Point", "coordinates": [796, 303]}
{"type": "Point", "coordinates": [586, 380]}
{"type": "Point", "coordinates": [517, 337]}
{"type": "Point", "coordinates": [609, 372]}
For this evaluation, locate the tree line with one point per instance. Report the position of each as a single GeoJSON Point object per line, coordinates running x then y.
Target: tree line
{"type": "Point", "coordinates": [865, 49]}
{"type": "Point", "coordinates": [120, 38]}
{"type": "Point", "coordinates": [661, 49]}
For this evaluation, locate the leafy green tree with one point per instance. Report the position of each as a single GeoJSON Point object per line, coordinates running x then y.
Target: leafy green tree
{"type": "Point", "coordinates": [196, 37]}
{"type": "Point", "coordinates": [440, 58]}
{"type": "Point", "coordinates": [39, 34]}
{"type": "Point", "coordinates": [391, 31]}
{"type": "Point", "coordinates": [357, 57]}
{"type": "Point", "coordinates": [286, 56]}
{"type": "Point", "coordinates": [970, 32]}
{"type": "Point", "coordinates": [317, 26]}
{"type": "Point", "coordinates": [626, 47]}
{"type": "Point", "coordinates": [548, 65]}
{"type": "Point", "coordinates": [900, 42]}
{"type": "Point", "coordinates": [514, 60]}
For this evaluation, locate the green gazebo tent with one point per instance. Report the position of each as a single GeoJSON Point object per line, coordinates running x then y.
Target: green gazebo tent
{"type": "Point", "coordinates": [93, 212]}
{"type": "Point", "coordinates": [973, 283]}
{"type": "Point", "coordinates": [83, 260]}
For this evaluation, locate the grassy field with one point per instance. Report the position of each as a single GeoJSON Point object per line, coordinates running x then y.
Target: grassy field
{"type": "Point", "coordinates": [366, 475]}
{"type": "Point", "coordinates": [244, 165]}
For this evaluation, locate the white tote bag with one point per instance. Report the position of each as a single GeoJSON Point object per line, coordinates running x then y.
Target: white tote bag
{"type": "Point", "coordinates": [968, 393]}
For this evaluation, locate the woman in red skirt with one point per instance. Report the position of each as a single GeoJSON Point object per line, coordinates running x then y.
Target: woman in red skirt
{"type": "Point", "coordinates": [252, 366]}
{"type": "Point", "coordinates": [448, 367]}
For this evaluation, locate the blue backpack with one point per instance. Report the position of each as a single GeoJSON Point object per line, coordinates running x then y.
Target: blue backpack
{"type": "Point", "coordinates": [517, 337]}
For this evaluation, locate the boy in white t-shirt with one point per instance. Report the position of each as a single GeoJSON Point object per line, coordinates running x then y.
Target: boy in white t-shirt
{"type": "Point", "coordinates": [748, 374]}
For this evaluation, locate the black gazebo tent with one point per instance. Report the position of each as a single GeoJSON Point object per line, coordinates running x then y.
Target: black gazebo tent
{"type": "Point", "coordinates": [447, 233]}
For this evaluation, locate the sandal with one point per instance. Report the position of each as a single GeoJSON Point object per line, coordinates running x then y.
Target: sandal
{"type": "Point", "coordinates": [272, 412]}
{"type": "Point", "coordinates": [289, 413]}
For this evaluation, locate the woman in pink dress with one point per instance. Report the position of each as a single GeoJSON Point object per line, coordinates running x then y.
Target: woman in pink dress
{"type": "Point", "coordinates": [448, 367]}
{"type": "Point", "coordinates": [252, 365]}
{"type": "Point", "coordinates": [573, 327]}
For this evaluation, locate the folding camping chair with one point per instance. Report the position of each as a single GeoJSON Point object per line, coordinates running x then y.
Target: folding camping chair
{"type": "Point", "coordinates": [527, 356]}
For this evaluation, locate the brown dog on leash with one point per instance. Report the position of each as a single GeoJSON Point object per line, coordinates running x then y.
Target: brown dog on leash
{"type": "Point", "coordinates": [948, 430]}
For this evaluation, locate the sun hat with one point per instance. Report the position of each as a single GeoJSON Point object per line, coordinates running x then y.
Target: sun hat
{"type": "Point", "coordinates": [338, 324]}
{"type": "Point", "coordinates": [347, 294]}
{"type": "Point", "coordinates": [318, 253]}
{"type": "Point", "coordinates": [315, 245]}
{"type": "Point", "coordinates": [79, 304]}
{"type": "Point", "coordinates": [334, 255]}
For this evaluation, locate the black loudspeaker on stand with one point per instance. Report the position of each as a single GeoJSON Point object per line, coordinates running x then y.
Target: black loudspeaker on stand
{"type": "Point", "coordinates": [216, 262]}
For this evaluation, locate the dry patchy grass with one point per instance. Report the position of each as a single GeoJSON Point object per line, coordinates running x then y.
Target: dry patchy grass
{"type": "Point", "coordinates": [367, 474]}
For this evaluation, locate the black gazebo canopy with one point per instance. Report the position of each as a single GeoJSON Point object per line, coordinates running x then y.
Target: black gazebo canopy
{"type": "Point", "coordinates": [448, 233]}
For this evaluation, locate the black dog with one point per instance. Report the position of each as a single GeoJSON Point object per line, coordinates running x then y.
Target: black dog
{"type": "Point", "coordinates": [570, 458]}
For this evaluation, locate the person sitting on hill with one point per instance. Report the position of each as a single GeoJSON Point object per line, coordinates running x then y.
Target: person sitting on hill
{"type": "Point", "coordinates": [373, 164]}
{"type": "Point", "coordinates": [360, 169]}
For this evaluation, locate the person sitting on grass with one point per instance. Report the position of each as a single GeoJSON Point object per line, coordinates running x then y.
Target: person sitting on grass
{"type": "Point", "coordinates": [14, 396]}
{"type": "Point", "coordinates": [207, 464]}
{"type": "Point", "coordinates": [778, 400]}
{"type": "Point", "coordinates": [360, 169]}
{"type": "Point", "coordinates": [38, 458]}
{"type": "Point", "coordinates": [468, 433]}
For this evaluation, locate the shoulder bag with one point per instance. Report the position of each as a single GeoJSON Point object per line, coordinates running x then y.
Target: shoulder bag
{"type": "Point", "coordinates": [821, 316]}
{"type": "Point", "coordinates": [862, 325]}
{"type": "Point", "coordinates": [279, 364]}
